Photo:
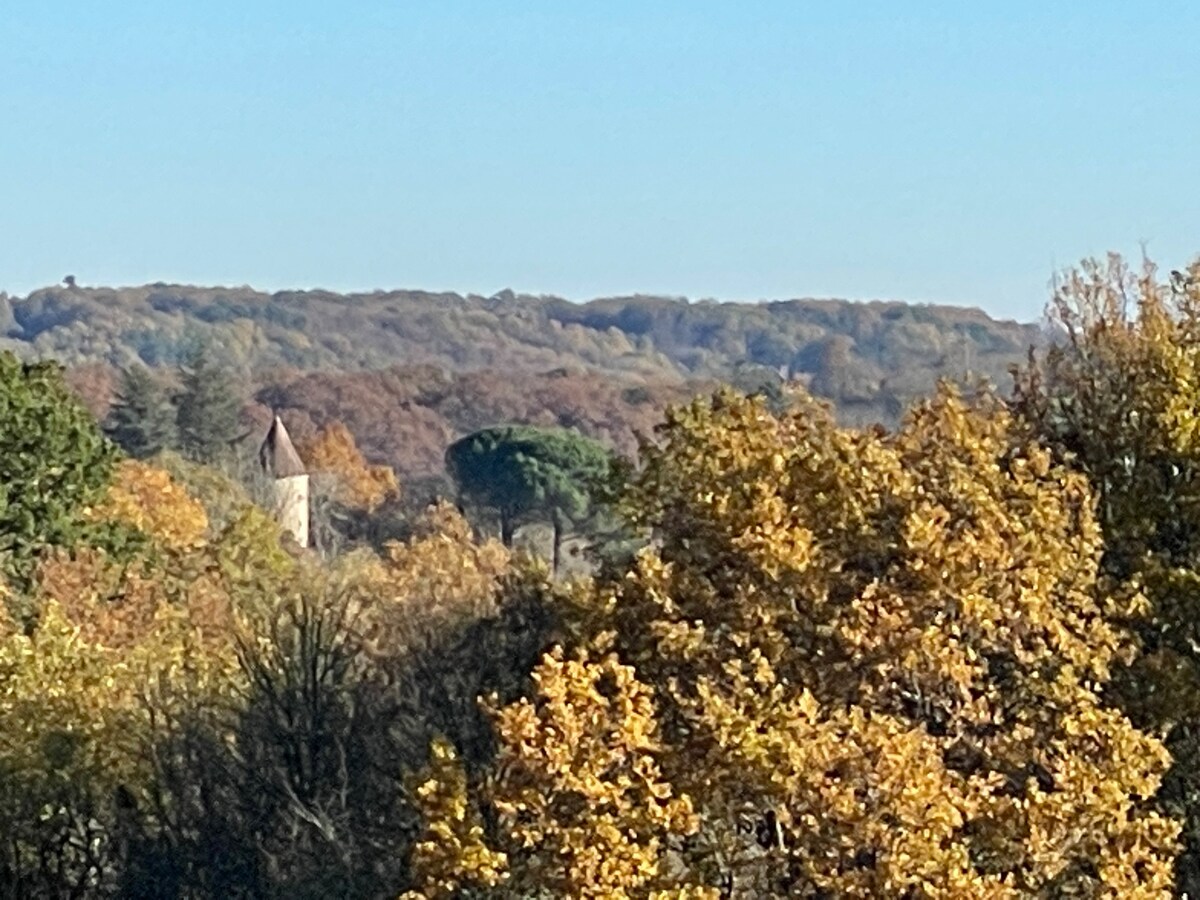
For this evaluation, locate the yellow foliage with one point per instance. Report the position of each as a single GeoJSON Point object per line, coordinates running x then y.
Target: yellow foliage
{"type": "Point", "coordinates": [929, 600]}
{"type": "Point", "coordinates": [1119, 394]}
{"type": "Point", "coordinates": [120, 651]}
{"type": "Point", "coordinates": [579, 787]}
{"type": "Point", "coordinates": [148, 499]}
{"type": "Point", "coordinates": [875, 662]}
{"type": "Point", "coordinates": [419, 589]}
{"type": "Point", "coordinates": [78, 708]}
{"type": "Point", "coordinates": [1117, 397]}
{"type": "Point", "coordinates": [451, 855]}
{"type": "Point", "coordinates": [583, 806]}
{"type": "Point", "coordinates": [223, 497]}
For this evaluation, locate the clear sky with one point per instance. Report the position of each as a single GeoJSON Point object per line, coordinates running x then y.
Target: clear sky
{"type": "Point", "coordinates": [943, 152]}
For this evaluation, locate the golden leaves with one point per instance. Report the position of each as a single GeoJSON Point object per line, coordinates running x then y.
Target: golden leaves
{"type": "Point", "coordinates": [117, 648]}
{"type": "Point", "coordinates": [872, 637]}
{"type": "Point", "coordinates": [422, 588]}
{"type": "Point", "coordinates": [451, 855]}
{"type": "Point", "coordinates": [584, 810]}
{"type": "Point", "coordinates": [579, 788]}
{"type": "Point", "coordinates": [75, 704]}
{"type": "Point", "coordinates": [148, 499]}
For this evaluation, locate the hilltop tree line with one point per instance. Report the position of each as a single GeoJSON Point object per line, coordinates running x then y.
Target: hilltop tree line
{"type": "Point", "coordinates": [871, 359]}
{"type": "Point", "coordinates": [955, 659]}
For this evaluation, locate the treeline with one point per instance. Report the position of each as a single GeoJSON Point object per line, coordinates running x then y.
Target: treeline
{"type": "Point", "coordinates": [956, 659]}
{"type": "Point", "coordinates": [871, 359]}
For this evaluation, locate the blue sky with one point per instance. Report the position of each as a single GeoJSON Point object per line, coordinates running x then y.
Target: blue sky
{"type": "Point", "coordinates": [939, 152]}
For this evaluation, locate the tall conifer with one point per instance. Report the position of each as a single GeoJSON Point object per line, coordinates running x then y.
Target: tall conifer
{"type": "Point", "coordinates": [207, 407]}
{"type": "Point", "coordinates": [142, 419]}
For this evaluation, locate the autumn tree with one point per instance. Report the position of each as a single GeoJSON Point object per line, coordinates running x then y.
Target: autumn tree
{"type": "Point", "coordinates": [859, 665]}
{"type": "Point", "coordinates": [448, 620]}
{"type": "Point", "coordinates": [1116, 397]}
{"type": "Point", "coordinates": [584, 808]}
{"type": "Point", "coordinates": [119, 652]}
{"type": "Point", "coordinates": [224, 497]}
{"type": "Point", "coordinates": [206, 714]}
{"type": "Point", "coordinates": [141, 420]}
{"type": "Point", "coordinates": [148, 499]}
{"type": "Point", "coordinates": [54, 461]}
{"type": "Point", "coordinates": [351, 498]}
{"type": "Point", "coordinates": [522, 472]}
{"type": "Point", "coordinates": [358, 484]}
{"type": "Point", "coordinates": [350, 669]}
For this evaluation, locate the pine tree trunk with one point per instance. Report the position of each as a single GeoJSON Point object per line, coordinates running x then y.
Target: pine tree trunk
{"type": "Point", "coordinates": [558, 536]}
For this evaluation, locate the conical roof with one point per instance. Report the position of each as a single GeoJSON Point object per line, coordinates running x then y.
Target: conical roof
{"type": "Point", "coordinates": [278, 454]}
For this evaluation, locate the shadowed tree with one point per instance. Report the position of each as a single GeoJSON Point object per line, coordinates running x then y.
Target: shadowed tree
{"type": "Point", "coordinates": [207, 408]}
{"type": "Point", "coordinates": [142, 419]}
{"type": "Point", "coordinates": [525, 473]}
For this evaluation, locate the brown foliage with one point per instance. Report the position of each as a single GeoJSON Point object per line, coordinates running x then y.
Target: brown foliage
{"type": "Point", "coordinates": [407, 416]}
{"type": "Point", "coordinates": [884, 353]}
{"type": "Point", "coordinates": [94, 384]}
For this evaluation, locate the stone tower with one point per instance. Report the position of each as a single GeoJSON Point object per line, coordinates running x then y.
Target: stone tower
{"type": "Point", "coordinates": [289, 481]}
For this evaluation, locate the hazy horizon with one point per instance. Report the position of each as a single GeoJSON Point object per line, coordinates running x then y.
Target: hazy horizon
{"type": "Point", "coordinates": [81, 285]}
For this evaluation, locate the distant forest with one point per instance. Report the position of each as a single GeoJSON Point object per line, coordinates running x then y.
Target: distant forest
{"type": "Point", "coordinates": [409, 371]}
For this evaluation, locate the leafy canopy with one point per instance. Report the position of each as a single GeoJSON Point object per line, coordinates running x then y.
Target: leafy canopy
{"type": "Point", "coordinates": [358, 484]}
{"type": "Point", "coordinates": [54, 461]}
{"type": "Point", "coordinates": [850, 665]}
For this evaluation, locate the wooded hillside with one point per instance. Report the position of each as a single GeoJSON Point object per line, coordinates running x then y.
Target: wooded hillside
{"type": "Point", "coordinates": [869, 358]}
{"type": "Point", "coordinates": [408, 372]}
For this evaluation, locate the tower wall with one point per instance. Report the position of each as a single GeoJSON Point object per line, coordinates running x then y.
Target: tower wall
{"type": "Point", "coordinates": [292, 506]}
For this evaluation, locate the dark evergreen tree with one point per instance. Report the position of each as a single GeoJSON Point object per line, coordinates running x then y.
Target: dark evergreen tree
{"type": "Point", "coordinates": [524, 473]}
{"type": "Point", "coordinates": [207, 408]}
{"type": "Point", "coordinates": [142, 419]}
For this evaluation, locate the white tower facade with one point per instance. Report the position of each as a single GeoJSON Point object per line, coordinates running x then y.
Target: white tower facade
{"type": "Point", "coordinates": [289, 481]}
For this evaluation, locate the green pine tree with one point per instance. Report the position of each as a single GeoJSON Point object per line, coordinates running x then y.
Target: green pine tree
{"type": "Point", "coordinates": [207, 408]}
{"type": "Point", "coordinates": [142, 419]}
{"type": "Point", "coordinates": [527, 473]}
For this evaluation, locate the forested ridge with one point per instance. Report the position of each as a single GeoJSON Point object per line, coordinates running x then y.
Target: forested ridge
{"type": "Point", "coordinates": [410, 371]}
{"type": "Point", "coordinates": [849, 348]}
{"type": "Point", "coordinates": [954, 658]}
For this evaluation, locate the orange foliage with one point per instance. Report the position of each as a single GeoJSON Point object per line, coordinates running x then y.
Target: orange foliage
{"type": "Point", "coordinates": [333, 451]}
